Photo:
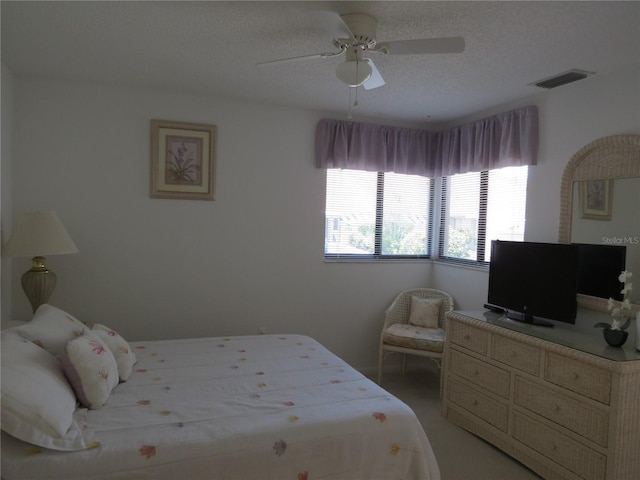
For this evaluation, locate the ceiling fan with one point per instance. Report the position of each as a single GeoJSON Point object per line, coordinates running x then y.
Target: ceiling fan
{"type": "Point", "coordinates": [358, 36]}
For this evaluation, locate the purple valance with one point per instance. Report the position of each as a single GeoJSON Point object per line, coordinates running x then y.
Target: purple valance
{"type": "Point", "coordinates": [507, 139]}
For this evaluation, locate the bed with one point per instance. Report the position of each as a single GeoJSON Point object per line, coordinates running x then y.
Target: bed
{"type": "Point", "coordinates": [246, 407]}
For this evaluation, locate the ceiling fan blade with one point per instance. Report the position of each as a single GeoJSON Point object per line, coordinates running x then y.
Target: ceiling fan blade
{"type": "Point", "coordinates": [375, 80]}
{"type": "Point", "coordinates": [424, 45]}
{"type": "Point", "coordinates": [303, 57]}
{"type": "Point", "coordinates": [332, 23]}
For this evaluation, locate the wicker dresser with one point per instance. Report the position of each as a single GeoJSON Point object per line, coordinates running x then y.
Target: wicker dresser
{"type": "Point", "coordinates": [565, 412]}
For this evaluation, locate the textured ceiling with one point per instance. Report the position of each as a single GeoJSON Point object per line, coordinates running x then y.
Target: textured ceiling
{"type": "Point", "coordinates": [213, 48]}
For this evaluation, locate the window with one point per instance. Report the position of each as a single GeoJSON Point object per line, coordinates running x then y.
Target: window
{"type": "Point", "coordinates": [377, 215]}
{"type": "Point", "coordinates": [389, 215]}
{"type": "Point", "coordinates": [478, 207]}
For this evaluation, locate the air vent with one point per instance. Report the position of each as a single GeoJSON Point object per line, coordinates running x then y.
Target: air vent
{"type": "Point", "coordinates": [561, 79]}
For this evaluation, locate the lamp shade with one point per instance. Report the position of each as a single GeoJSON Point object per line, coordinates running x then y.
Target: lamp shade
{"type": "Point", "coordinates": [354, 72]}
{"type": "Point", "coordinates": [39, 234]}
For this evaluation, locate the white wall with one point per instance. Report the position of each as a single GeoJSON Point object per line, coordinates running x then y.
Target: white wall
{"type": "Point", "coordinates": [6, 137]}
{"type": "Point", "coordinates": [155, 268]}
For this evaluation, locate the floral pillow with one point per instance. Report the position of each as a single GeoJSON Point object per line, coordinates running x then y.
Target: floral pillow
{"type": "Point", "coordinates": [51, 329]}
{"type": "Point", "coordinates": [38, 404]}
{"type": "Point", "coordinates": [122, 352]}
{"type": "Point", "coordinates": [424, 312]}
{"type": "Point", "coordinates": [91, 369]}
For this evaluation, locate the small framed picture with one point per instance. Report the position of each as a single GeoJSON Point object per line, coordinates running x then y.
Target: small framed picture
{"type": "Point", "coordinates": [596, 197]}
{"type": "Point", "coordinates": [182, 160]}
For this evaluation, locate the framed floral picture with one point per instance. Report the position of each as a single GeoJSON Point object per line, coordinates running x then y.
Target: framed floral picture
{"type": "Point", "coordinates": [596, 197]}
{"type": "Point", "coordinates": [182, 160]}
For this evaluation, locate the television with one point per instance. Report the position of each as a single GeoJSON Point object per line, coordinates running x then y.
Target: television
{"type": "Point", "coordinates": [598, 269]}
{"type": "Point", "coordinates": [534, 282]}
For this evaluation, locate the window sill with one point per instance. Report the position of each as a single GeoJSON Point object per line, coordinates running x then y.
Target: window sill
{"type": "Point", "coordinates": [377, 260]}
{"type": "Point", "coordinates": [467, 266]}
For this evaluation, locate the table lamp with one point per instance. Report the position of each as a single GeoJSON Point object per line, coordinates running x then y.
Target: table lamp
{"type": "Point", "coordinates": [37, 234]}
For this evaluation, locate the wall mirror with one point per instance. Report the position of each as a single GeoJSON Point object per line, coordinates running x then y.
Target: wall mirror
{"type": "Point", "coordinates": [600, 201]}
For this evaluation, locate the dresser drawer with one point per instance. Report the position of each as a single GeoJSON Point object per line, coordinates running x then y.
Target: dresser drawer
{"type": "Point", "coordinates": [516, 354]}
{"type": "Point", "coordinates": [481, 406]}
{"type": "Point", "coordinates": [587, 380]}
{"type": "Point", "coordinates": [468, 337]}
{"type": "Point", "coordinates": [482, 374]}
{"type": "Point", "coordinates": [568, 453]}
{"type": "Point", "coordinates": [583, 419]}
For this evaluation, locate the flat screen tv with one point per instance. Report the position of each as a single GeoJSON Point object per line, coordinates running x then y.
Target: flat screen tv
{"type": "Point", "coordinates": [598, 269]}
{"type": "Point", "coordinates": [534, 282]}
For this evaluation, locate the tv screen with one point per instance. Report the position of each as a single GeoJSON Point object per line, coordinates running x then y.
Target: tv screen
{"type": "Point", "coordinates": [598, 269]}
{"type": "Point", "coordinates": [534, 282]}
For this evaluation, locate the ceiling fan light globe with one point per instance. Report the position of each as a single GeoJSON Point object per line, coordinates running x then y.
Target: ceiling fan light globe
{"type": "Point", "coordinates": [354, 73]}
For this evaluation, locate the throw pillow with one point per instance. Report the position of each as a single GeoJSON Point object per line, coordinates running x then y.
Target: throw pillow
{"type": "Point", "coordinates": [122, 352]}
{"type": "Point", "coordinates": [424, 312]}
{"type": "Point", "coordinates": [91, 369]}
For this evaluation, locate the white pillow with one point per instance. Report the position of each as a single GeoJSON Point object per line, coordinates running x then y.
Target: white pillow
{"type": "Point", "coordinates": [38, 404]}
{"type": "Point", "coordinates": [91, 369]}
{"type": "Point", "coordinates": [122, 352]}
{"type": "Point", "coordinates": [51, 329]}
{"type": "Point", "coordinates": [424, 312]}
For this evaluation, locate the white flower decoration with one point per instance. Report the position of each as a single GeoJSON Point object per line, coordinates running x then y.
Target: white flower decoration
{"type": "Point", "coordinates": [620, 311]}
{"type": "Point", "coordinates": [624, 276]}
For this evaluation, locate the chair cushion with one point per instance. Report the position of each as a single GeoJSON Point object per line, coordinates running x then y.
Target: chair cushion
{"type": "Point", "coordinates": [424, 312]}
{"type": "Point", "coordinates": [411, 336]}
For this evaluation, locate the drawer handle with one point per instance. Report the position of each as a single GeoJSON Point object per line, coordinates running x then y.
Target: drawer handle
{"type": "Point", "coordinates": [476, 373]}
{"type": "Point", "coordinates": [474, 402]}
{"type": "Point", "coordinates": [575, 375]}
{"type": "Point", "coordinates": [556, 407]}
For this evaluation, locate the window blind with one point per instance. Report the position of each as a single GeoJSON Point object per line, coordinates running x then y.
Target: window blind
{"type": "Point", "coordinates": [377, 215]}
{"type": "Point", "coordinates": [479, 207]}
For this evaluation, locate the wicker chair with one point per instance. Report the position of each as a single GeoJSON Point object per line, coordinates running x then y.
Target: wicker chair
{"type": "Point", "coordinates": [425, 342]}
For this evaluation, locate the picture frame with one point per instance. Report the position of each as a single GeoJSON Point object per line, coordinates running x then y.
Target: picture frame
{"type": "Point", "coordinates": [596, 198]}
{"type": "Point", "coordinates": [182, 160]}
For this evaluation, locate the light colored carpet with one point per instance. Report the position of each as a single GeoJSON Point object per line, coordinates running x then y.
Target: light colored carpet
{"type": "Point", "coordinates": [461, 455]}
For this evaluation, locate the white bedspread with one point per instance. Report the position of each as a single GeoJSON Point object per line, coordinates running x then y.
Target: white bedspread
{"type": "Point", "coordinates": [268, 407]}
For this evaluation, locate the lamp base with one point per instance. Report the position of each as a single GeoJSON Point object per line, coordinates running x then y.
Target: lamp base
{"type": "Point", "coordinates": [38, 283]}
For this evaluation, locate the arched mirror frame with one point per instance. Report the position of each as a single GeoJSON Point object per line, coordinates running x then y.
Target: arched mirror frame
{"type": "Point", "coordinates": [616, 156]}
